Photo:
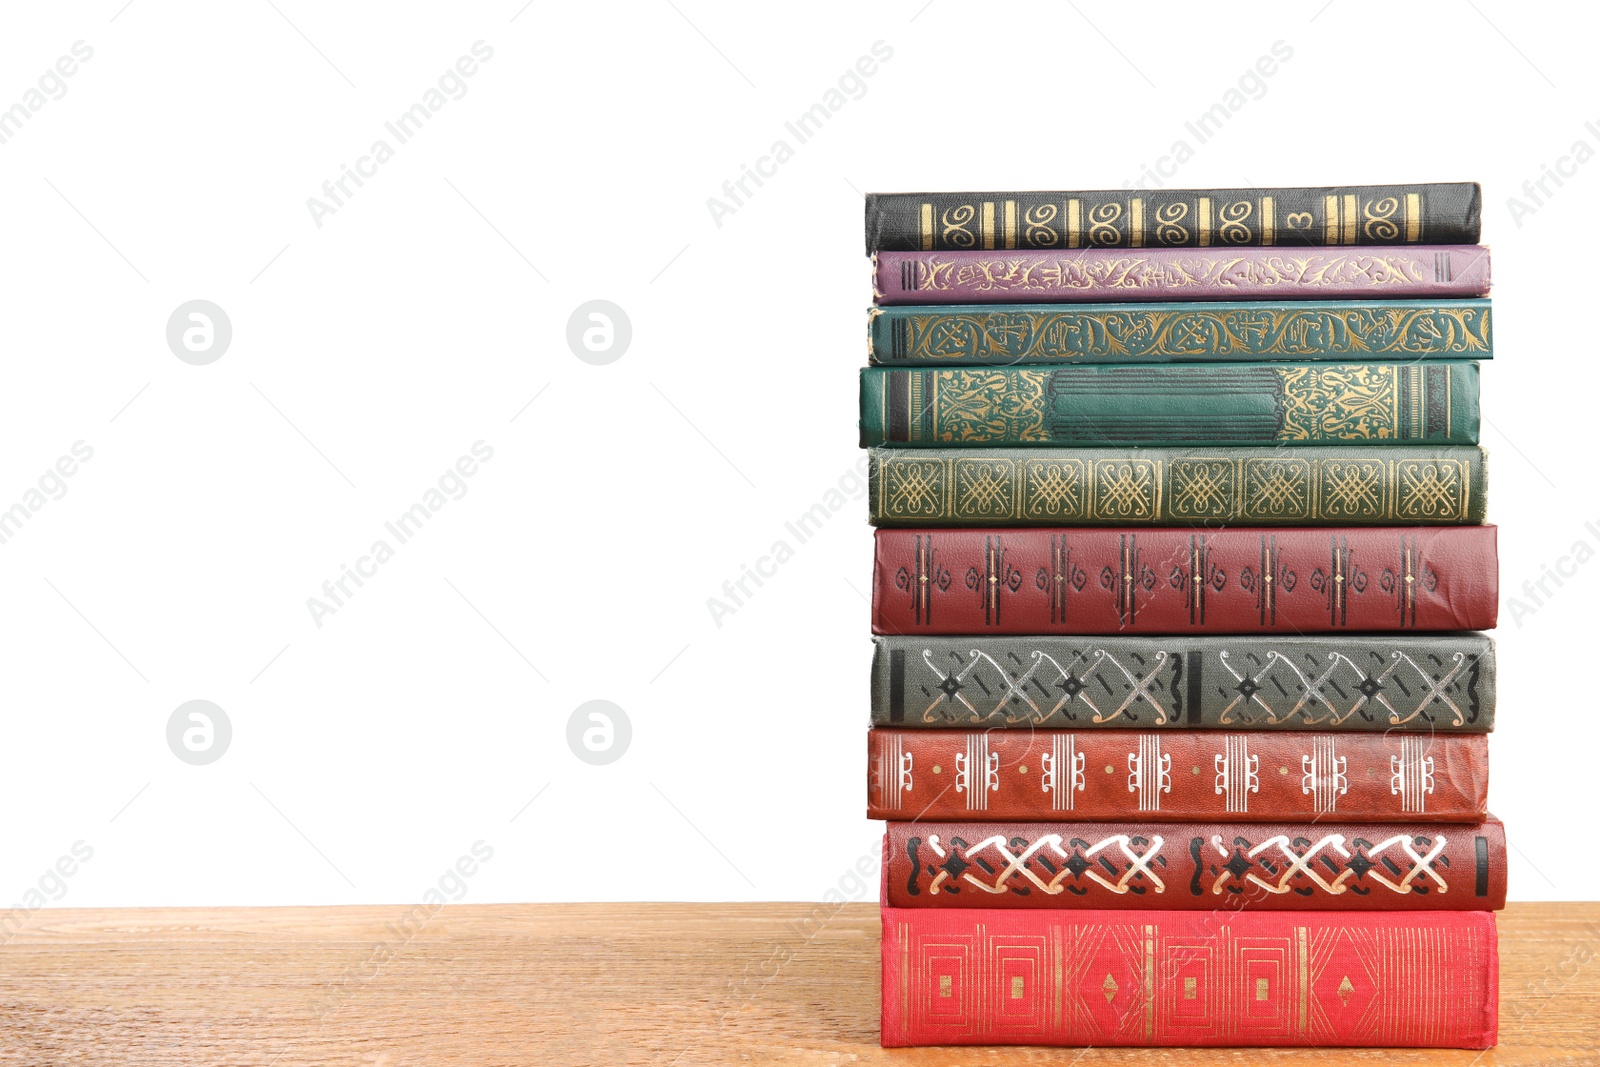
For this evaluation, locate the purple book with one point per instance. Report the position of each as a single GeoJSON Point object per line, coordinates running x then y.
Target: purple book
{"type": "Point", "coordinates": [1116, 274]}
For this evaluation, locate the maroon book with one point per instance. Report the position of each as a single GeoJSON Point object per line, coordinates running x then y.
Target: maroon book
{"type": "Point", "coordinates": [1132, 863]}
{"type": "Point", "coordinates": [979, 976]}
{"type": "Point", "coordinates": [1181, 775]}
{"type": "Point", "coordinates": [1174, 581]}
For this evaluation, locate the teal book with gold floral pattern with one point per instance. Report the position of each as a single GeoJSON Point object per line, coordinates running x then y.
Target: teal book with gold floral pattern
{"type": "Point", "coordinates": [965, 335]}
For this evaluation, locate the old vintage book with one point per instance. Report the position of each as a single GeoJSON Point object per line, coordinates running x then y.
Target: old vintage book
{"type": "Point", "coordinates": [982, 976]}
{"type": "Point", "coordinates": [1216, 405]}
{"type": "Point", "coordinates": [1232, 863]}
{"type": "Point", "coordinates": [1097, 580]}
{"type": "Point", "coordinates": [974, 335]}
{"type": "Point", "coordinates": [1346, 485]}
{"type": "Point", "coordinates": [1436, 213]}
{"type": "Point", "coordinates": [1113, 274]}
{"type": "Point", "coordinates": [1427, 683]}
{"type": "Point", "coordinates": [1181, 775]}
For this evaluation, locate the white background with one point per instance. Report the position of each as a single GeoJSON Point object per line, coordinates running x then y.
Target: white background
{"type": "Point", "coordinates": [423, 315]}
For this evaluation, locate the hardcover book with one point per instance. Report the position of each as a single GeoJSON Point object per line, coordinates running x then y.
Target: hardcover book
{"type": "Point", "coordinates": [1101, 275]}
{"type": "Point", "coordinates": [1176, 404]}
{"type": "Point", "coordinates": [1095, 580]}
{"type": "Point", "coordinates": [1171, 978]}
{"type": "Point", "coordinates": [1346, 485]}
{"type": "Point", "coordinates": [957, 336]}
{"type": "Point", "coordinates": [1177, 775]}
{"type": "Point", "coordinates": [1437, 213]}
{"type": "Point", "coordinates": [1426, 683]}
{"type": "Point", "coordinates": [1231, 864]}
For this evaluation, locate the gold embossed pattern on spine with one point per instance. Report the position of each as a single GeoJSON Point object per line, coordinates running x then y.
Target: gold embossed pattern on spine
{"type": "Point", "coordinates": [1290, 274]}
{"type": "Point", "coordinates": [1129, 332]}
{"type": "Point", "coordinates": [1127, 984]}
{"type": "Point", "coordinates": [1353, 402]}
{"type": "Point", "coordinates": [1328, 402]}
{"type": "Point", "coordinates": [914, 487]}
{"type": "Point", "coordinates": [984, 406]}
{"type": "Point", "coordinates": [1172, 221]}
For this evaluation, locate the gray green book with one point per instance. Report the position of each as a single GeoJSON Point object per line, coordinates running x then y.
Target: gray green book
{"type": "Point", "coordinates": [1442, 682]}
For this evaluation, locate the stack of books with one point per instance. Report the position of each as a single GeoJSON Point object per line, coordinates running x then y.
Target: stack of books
{"type": "Point", "coordinates": [1179, 714]}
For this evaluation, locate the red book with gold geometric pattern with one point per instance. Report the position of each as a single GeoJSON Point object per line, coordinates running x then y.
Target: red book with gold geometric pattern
{"type": "Point", "coordinates": [1173, 978]}
{"type": "Point", "coordinates": [1176, 775]}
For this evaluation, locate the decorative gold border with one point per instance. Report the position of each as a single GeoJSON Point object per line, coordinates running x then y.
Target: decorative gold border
{"type": "Point", "coordinates": [1022, 502]}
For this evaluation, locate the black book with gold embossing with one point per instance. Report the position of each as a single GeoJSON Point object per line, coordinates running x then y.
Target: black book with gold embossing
{"type": "Point", "coordinates": [1433, 213]}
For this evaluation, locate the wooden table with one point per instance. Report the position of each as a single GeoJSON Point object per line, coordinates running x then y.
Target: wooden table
{"type": "Point", "coordinates": [598, 984]}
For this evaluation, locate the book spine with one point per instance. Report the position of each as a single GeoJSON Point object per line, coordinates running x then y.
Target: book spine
{"type": "Point", "coordinates": [1111, 274]}
{"type": "Point", "coordinates": [1231, 864]}
{"type": "Point", "coordinates": [1180, 775]}
{"type": "Point", "coordinates": [1442, 213]}
{"type": "Point", "coordinates": [1220, 405]}
{"type": "Point", "coordinates": [1425, 683]}
{"type": "Point", "coordinates": [1165, 978]}
{"type": "Point", "coordinates": [1095, 580]}
{"type": "Point", "coordinates": [1349, 485]}
{"type": "Point", "coordinates": [1178, 333]}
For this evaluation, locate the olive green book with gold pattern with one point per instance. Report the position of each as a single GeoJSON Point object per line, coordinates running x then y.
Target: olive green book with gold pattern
{"type": "Point", "coordinates": [1340, 486]}
{"type": "Point", "coordinates": [1177, 404]}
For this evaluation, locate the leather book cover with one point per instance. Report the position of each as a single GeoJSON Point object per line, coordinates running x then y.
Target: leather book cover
{"type": "Point", "coordinates": [1152, 580]}
{"type": "Point", "coordinates": [1344, 485]}
{"type": "Point", "coordinates": [981, 976]}
{"type": "Point", "coordinates": [1229, 864]}
{"type": "Point", "coordinates": [1435, 213]}
{"type": "Point", "coordinates": [959, 336]}
{"type": "Point", "coordinates": [1177, 775]}
{"type": "Point", "coordinates": [1100, 275]}
{"type": "Point", "coordinates": [1175, 404]}
{"type": "Point", "coordinates": [1424, 683]}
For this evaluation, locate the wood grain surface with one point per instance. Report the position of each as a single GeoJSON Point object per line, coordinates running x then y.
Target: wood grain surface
{"type": "Point", "coordinates": [560, 984]}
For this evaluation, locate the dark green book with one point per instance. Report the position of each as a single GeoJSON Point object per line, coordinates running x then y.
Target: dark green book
{"type": "Point", "coordinates": [1004, 335]}
{"type": "Point", "coordinates": [1172, 404]}
{"type": "Point", "coordinates": [1442, 682]}
{"type": "Point", "coordinates": [1350, 485]}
